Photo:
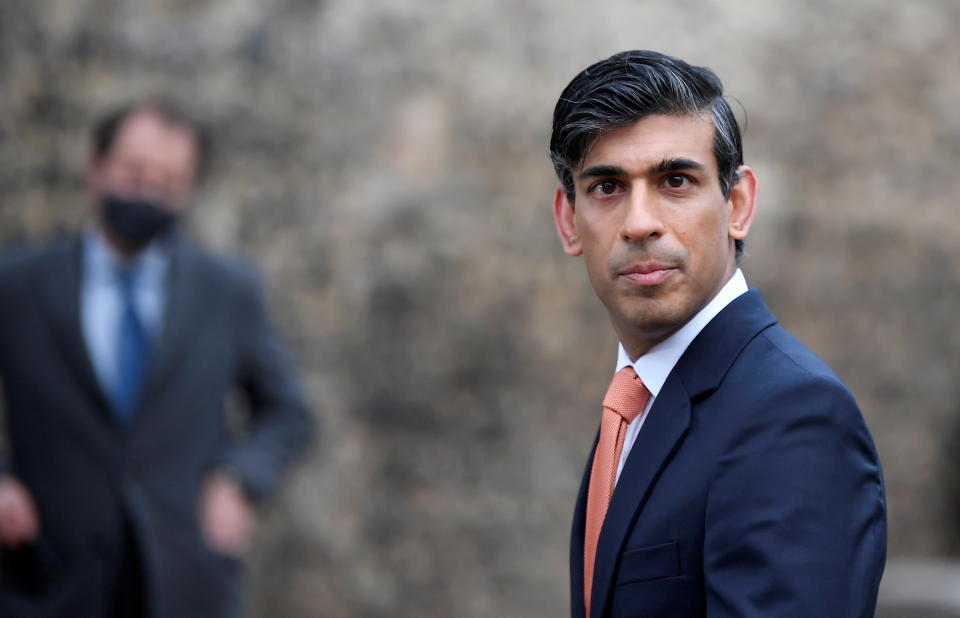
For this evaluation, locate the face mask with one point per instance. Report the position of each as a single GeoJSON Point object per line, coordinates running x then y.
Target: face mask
{"type": "Point", "coordinates": [135, 222]}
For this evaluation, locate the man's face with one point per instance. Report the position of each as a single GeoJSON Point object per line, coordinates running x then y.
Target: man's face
{"type": "Point", "coordinates": [150, 159]}
{"type": "Point", "coordinates": [651, 222]}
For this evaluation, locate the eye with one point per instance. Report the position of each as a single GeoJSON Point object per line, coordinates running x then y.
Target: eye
{"type": "Point", "coordinates": [604, 187]}
{"type": "Point", "coordinates": [677, 181]}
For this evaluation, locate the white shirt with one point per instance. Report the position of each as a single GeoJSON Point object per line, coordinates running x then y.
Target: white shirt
{"type": "Point", "coordinates": [654, 366]}
{"type": "Point", "coordinates": [101, 300]}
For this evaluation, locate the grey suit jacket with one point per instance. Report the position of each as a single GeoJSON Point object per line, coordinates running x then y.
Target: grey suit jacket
{"type": "Point", "coordinates": [90, 478]}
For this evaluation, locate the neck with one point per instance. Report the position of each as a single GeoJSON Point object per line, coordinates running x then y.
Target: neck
{"type": "Point", "coordinates": [637, 345]}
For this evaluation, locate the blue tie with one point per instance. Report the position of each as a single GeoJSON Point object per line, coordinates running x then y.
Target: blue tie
{"type": "Point", "coordinates": [131, 352]}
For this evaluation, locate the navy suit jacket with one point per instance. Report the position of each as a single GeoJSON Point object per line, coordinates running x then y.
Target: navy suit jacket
{"type": "Point", "coordinates": [753, 489]}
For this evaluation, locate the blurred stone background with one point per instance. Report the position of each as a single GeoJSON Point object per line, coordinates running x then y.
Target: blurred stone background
{"type": "Point", "coordinates": [384, 163]}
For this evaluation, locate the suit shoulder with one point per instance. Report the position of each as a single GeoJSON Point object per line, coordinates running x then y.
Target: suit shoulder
{"type": "Point", "coordinates": [14, 261]}
{"type": "Point", "coordinates": [234, 274]}
{"type": "Point", "coordinates": [779, 372]}
{"type": "Point", "coordinates": [779, 392]}
{"type": "Point", "coordinates": [229, 266]}
{"type": "Point", "coordinates": [242, 273]}
{"type": "Point", "coordinates": [794, 356]}
{"type": "Point", "coordinates": [23, 263]}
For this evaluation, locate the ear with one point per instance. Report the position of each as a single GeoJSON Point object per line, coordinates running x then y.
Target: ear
{"type": "Point", "coordinates": [743, 203]}
{"type": "Point", "coordinates": [566, 226]}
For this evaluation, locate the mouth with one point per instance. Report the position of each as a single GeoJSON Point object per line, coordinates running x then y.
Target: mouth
{"type": "Point", "coordinates": [647, 273]}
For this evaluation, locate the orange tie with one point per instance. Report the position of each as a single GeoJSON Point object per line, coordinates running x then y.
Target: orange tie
{"type": "Point", "coordinates": [626, 398]}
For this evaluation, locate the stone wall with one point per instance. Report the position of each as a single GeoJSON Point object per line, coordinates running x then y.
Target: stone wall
{"type": "Point", "coordinates": [384, 163]}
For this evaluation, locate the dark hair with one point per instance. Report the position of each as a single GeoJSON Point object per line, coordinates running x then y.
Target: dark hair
{"type": "Point", "coordinates": [629, 86]}
{"type": "Point", "coordinates": [106, 130]}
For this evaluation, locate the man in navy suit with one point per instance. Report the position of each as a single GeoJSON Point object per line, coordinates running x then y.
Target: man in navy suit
{"type": "Point", "coordinates": [733, 474]}
{"type": "Point", "coordinates": [126, 492]}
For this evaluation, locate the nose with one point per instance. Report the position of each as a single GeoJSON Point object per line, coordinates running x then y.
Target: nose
{"type": "Point", "coordinates": [642, 219]}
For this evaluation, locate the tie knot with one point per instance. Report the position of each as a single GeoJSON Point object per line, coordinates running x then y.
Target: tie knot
{"type": "Point", "coordinates": [627, 396]}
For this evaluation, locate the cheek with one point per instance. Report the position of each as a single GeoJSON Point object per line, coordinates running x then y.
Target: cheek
{"type": "Point", "coordinates": [115, 178]}
{"type": "Point", "coordinates": [596, 264]}
{"type": "Point", "coordinates": [597, 232]}
{"type": "Point", "coordinates": [595, 256]}
{"type": "Point", "coordinates": [705, 237]}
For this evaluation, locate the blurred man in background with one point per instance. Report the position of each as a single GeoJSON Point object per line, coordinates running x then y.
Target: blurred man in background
{"type": "Point", "coordinates": [733, 474]}
{"type": "Point", "coordinates": [125, 493]}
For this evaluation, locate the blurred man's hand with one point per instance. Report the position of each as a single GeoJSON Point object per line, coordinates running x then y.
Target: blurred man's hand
{"type": "Point", "coordinates": [19, 523]}
{"type": "Point", "coordinates": [226, 515]}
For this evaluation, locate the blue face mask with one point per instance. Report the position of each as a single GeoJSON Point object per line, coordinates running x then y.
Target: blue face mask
{"type": "Point", "coordinates": [135, 223]}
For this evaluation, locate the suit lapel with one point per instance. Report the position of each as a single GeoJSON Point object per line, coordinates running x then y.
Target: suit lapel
{"type": "Point", "coordinates": [577, 532]}
{"type": "Point", "coordinates": [183, 307]}
{"type": "Point", "coordinates": [663, 430]}
{"type": "Point", "coordinates": [59, 288]}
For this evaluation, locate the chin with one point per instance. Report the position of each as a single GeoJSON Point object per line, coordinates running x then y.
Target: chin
{"type": "Point", "coordinates": [652, 317]}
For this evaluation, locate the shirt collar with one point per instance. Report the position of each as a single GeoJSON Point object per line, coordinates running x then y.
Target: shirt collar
{"type": "Point", "coordinates": [654, 366]}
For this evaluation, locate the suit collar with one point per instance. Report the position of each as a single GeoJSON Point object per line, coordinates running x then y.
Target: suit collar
{"type": "Point", "coordinates": [59, 282]}
{"type": "Point", "coordinates": [577, 532]}
{"type": "Point", "coordinates": [711, 354]}
{"type": "Point", "coordinates": [700, 369]}
{"type": "Point", "coordinates": [184, 305]}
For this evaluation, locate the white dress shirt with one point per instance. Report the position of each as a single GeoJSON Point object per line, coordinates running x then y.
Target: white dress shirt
{"type": "Point", "coordinates": [101, 300]}
{"type": "Point", "coordinates": [654, 366]}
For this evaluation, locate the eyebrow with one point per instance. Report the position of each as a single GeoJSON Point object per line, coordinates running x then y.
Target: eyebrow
{"type": "Point", "coordinates": [671, 164]}
{"type": "Point", "coordinates": [602, 170]}
{"type": "Point", "coordinates": [676, 164]}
